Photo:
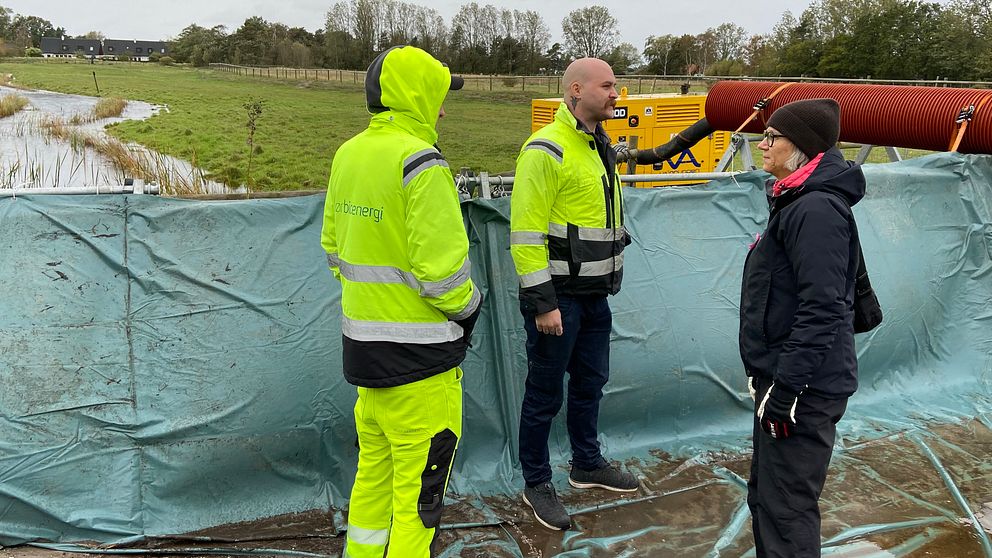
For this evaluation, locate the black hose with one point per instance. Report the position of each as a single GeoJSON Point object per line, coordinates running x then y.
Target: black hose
{"type": "Point", "coordinates": [682, 141]}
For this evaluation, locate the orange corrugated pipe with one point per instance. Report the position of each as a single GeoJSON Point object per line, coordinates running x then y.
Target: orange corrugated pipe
{"type": "Point", "coordinates": [890, 115]}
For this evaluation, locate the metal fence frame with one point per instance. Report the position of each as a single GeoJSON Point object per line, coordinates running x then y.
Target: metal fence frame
{"type": "Point", "coordinates": [635, 83]}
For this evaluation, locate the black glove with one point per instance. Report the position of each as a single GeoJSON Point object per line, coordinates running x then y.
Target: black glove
{"type": "Point", "coordinates": [622, 150]}
{"type": "Point", "coordinates": [777, 412]}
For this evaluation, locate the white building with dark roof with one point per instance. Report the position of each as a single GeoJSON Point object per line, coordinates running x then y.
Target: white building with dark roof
{"type": "Point", "coordinates": [110, 49]}
{"type": "Point", "coordinates": [55, 47]}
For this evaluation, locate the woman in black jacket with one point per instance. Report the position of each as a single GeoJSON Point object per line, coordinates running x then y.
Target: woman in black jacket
{"type": "Point", "coordinates": [796, 329]}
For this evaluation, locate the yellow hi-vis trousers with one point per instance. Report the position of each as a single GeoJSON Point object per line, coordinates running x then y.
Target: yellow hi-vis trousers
{"type": "Point", "coordinates": [407, 436]}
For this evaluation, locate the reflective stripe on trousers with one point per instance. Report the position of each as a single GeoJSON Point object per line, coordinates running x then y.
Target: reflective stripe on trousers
{"type": "Point", "coordinates": [365, 543]}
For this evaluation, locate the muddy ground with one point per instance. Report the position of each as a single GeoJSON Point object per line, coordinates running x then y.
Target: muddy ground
{"type": "Point", "coordinates": [886, 497]}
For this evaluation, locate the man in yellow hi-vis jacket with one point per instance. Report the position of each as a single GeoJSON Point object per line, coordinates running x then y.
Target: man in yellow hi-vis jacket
{"type": "Point", "coordinates": [394, 237]}
{"type": "Point", "coordinates": [567, 239]}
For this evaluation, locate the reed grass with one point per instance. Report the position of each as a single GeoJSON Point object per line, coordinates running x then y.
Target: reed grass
{"type": "Point", "coordinates": [129, 160]}
{"type": "Point", "coordinates": [27, 170]}
{"type": "Point", "coordinates": [11, 104]}
{"type": "Point", "coordinates": [109, 107]}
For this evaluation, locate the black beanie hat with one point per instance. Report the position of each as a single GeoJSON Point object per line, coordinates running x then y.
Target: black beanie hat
{"type": "Point", "coordinates": [813, 125]}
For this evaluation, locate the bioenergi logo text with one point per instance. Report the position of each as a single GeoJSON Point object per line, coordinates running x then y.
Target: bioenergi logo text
{"type": "Point", "coordinates": [348, 208]}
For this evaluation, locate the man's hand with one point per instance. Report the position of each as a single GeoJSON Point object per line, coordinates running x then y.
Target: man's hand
{"type": "Point", "coordinates": [549, 323]}
{"type": "Point", "coordinates": [622, 150]}
{"type": "Point", "coordinates": [777, 412]}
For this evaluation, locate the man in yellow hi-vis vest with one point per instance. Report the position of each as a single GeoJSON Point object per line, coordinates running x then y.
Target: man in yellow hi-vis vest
{"type": "Point", "coordinates": [394, 237]}
{"type": "Point", "coordinates": [567, 239]}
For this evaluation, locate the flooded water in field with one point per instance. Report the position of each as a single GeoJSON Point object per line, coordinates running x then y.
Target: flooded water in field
{"type": "Point", "coordinates": [56, 143]}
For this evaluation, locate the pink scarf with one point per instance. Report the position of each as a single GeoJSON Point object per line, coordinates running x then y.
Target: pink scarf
{"type": "Point", "coordinates": [797, 178]}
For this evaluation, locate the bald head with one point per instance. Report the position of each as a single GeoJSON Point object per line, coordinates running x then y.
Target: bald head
{"type": "Point", "coordinates": [590, 91]}
{"type": "Point", "coordinates": [584, 70]}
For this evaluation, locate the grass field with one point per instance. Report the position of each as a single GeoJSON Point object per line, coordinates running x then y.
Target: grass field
{"type": "Point", "coordinates": [302, 123]}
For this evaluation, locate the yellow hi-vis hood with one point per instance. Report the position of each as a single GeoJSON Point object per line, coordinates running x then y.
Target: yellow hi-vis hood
{"type": "Point", "coordinates": [408, 84]}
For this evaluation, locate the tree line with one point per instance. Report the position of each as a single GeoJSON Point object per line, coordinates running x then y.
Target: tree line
{"type": "Point", "coordinates": [880, 39]}
{"type": "Point", "coordinates": [18, 33]}
{"type": "Point", "coordinates": [480, 39]}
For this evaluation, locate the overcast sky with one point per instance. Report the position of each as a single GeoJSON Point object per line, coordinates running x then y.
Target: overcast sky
{"type": "Point", "coordinates": [156, 19]}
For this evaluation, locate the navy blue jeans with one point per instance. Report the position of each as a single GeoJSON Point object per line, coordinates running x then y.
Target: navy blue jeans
{"type": "Point", "coordinates": [583, 350]}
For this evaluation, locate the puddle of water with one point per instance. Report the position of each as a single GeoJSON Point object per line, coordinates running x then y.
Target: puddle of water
{"type": "Point", "coordinates": [883, 499]}
{"type": "Point", "coordinates": [30, 158]}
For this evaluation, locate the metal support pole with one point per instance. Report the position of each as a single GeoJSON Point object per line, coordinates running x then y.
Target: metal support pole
{"type": "Point", "coordinates": [746, 159]}
{"type": "Point", "coordinates": [485, 190]}
{"type": "Point", "coordinates": [863, 154]}
{"type": "Point", "coordinates": [489, 186]}
{"type": "Point", "coordinates": [673, 177]}
{"type": "Point", "coordinates": [632, 163]}
{"type": "Point", "coordinates": [82, 190]}
{"type": "Point", "coordinates": [728, 154]}
{"type": "Point", "coordinates": [739, 143]}
{"type": "Point", "coordinates": [736, 141]}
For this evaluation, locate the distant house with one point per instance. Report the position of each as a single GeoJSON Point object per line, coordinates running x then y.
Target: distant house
{"type": "Point", "coordinates": [54, 47]}
{"type": "Point", "coordinates": [110, 49]}
{"type": "Point", "coordinates": [144, 49]}
{"type": "Point", "coordinates": [117, 49]}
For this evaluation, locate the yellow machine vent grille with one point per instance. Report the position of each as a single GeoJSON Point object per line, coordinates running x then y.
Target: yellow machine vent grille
{"type": "Point", "coordinates": [678, 112]}
{"type": "Point", "coordinates": [720, 142]}
{"type": "Point", "coordinates": [543, 115]}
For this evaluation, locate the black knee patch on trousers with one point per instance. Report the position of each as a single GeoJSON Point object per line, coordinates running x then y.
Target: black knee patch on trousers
{"type": "Point", "coordinates": [433, 479]}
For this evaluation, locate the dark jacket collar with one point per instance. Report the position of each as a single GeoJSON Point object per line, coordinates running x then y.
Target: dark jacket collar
{"type": "Point", "coordinates": [832, 174]}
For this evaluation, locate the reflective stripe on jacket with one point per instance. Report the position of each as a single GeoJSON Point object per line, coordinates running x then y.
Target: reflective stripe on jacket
{"type": "Point", "coordinates": [394, 234]}
{"type": "Point", "coordinates": [566, 219]}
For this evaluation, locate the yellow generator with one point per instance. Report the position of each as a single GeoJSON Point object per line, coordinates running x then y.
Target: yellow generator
{"type": "Point", "coordinates": [653, 120]}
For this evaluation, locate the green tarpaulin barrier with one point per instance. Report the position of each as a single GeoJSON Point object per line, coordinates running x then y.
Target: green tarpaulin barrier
{"type": "Point", "coordinates": [172, 365]}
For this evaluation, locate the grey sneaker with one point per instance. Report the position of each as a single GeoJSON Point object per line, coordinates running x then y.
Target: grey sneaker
{"type": "Point", "coordinates": [547, 509]}
{"type": "Point", "coordinates": [609, 477]}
